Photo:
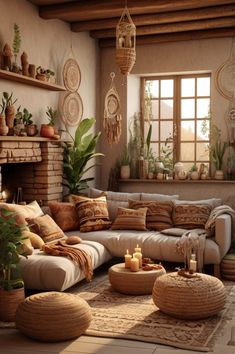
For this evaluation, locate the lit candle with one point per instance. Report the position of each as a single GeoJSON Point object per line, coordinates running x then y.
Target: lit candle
{"type": "Point", "coordinates": [138, 255]}
{"type": "Point", "coordinates": [137, 249]}
{"type": "Point", "coordinates": [134, 264]}
{"type": "Point", "coordinates": [193, 263]}
{"type": "Point", "coordinates": [127, 259]}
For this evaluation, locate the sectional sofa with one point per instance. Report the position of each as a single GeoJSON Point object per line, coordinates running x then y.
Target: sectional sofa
{"type": "Point", "coordinates": [46, 272]}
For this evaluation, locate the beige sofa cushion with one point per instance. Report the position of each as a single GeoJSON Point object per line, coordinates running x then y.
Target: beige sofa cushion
{"type": "Point", "coordinates": [21, 212]}
{"type": "Point", "coordinates": [158, 197]}
{"type": "Point", "coordinates": [213, 202]}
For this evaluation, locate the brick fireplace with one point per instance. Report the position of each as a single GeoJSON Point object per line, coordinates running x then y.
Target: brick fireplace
{"type": "Point", "coordinates": [34, 165]}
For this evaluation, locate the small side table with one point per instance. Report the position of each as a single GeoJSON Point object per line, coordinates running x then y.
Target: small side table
{"type": "Point", "coordinates": [127, 282]}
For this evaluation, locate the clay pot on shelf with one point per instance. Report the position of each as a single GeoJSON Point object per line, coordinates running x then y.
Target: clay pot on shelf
{"type": "Point", "coordinates": [10, 116]}
{"type": "Point", "coordinates": [31, 129]}
{"type": "Point", "coordinates": [47, 131]}
{"type": "Point", "coordinates": [3, 127]}
{"type": "Point", "coordinates": [42, 77]}
{"type": "Point", "coordinates": [219, 174]}
{"type": "Point", "coordinates": [125, 172]}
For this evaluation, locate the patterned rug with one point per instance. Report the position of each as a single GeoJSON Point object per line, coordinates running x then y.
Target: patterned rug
{"type": "Point", "coordinates": [136, 317]}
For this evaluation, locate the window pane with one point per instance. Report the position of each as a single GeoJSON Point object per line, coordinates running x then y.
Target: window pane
{"type": "Point", "coordinates": [202, 152]}
{"type": "Point", "coordinates": [203, 86]}
{"type": "Point", "coordinates": [155, 131]}
{"type": "Point", "coordinates": [187, 87]}
{"type": "Point", "coordinates": [203, 107]}
{"type": "Point", "coordinates": [166, 130]}
{"type": "Point", "coordinates": [167, 88]}
{"type": "Point", "coordinates": [155, 114]}
{"type": "Point", "coordinates": [203, 129]}
{"type": "Point", "coordinates": [187, 152]}
{"type": "Point", "coordinates": [152, 86]}
{"type": "Point", "coordinates": [187, 108]}
{"type": "Point", "coordinates": [166, 109]}
{"type": "Point", "coordinates": [188, 130]}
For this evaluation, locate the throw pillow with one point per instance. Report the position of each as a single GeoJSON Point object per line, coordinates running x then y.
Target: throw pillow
{"type": "Point", "coordinates": [213, 202]}
{"type": "Point", "coordinates": [159, 214]}
{"type": "Point", "coordinates": [65, 215]}
{"type": "Point", "coordinates": [36, 241]}
{"type": "Point", "coordinates": [46, 228]}
{"type": "Point", "coordinates": [191, 216]}
{"type": "Point", "coordinates": [92, 213]}
{"type": "Point", "coordinates": [26, 248]}
{"type": "Point", "coordinates": [130, 219]}
{"type": "Point", "coordinates": [174, 231]}
{"type": "Point", "coordinates": [21, 212]}
{"type": "Point", "coordinates": [158, 197]}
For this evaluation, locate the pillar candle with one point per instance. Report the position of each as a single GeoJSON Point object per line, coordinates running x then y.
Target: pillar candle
{"type": "Point", "coordinates": [193, 263]}
{"type": "Point", "coordinates": [138, 255]}
{"type": "Point", "coordinates": [134, 264]}
{"type": "Point", "coordinates": [127, 259]}
{"type": "Point", "coordinates": [137, 249]}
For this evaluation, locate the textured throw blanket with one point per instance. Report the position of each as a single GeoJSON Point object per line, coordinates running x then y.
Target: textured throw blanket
{"type": "Point", "coordinates": [222, 209]}
{"type": "Point", "coordinates": [192, 241]}
{"type": "Point", "coordinates": [77, 255]}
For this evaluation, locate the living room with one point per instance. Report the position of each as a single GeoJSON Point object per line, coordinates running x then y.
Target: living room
{"type": "Point", "coordinates": [167, 55]}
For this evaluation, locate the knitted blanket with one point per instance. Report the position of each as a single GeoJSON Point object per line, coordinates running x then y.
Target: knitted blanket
{"type": "Point", "coordinates": [217, 211]}
{"type": "Point", "coordinates": [77, 255]}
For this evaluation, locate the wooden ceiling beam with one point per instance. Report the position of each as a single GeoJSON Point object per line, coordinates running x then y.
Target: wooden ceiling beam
{"type": "Point", "coordinates": [174, 37]}
{"type": "Point", "coordinates": [150, 19]}
{"type": "Point", "coordinates": [95, 9]}
{"type": "Point", "coordinates": [172, 27]}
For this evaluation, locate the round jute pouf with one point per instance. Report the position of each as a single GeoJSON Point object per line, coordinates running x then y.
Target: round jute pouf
{"type": "Point", "coordinates": [53, 316]}
{"type": "Point", "coordinates": [197, 297]}
{"type": "Point", "coordinates": [228, 267]}
{"type": "Point", "coordinates": [133, 283]}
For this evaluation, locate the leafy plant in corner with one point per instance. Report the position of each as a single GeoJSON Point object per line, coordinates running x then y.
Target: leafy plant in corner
{"type": "Point", "coordinates": [77, 154]}
{"type": "Point", "coordinates": [16, 42]}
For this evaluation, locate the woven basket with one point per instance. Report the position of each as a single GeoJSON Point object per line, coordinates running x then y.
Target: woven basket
{"type": "Point", "coordinates": [189, 298]}
{"type": "Point", "coordinates": [228, 267]}
{"type": "Point", "coordinates": [125, 58]}
{"type": "Point", "coordinates": [53, 316]}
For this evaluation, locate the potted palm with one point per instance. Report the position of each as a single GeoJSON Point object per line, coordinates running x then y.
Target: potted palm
{"type": "Point", "coordinates": [11, 284]}
{"type": "Point", "coordinates": [77, 154]}
{"type": "Point", "coordinates": [48, 130]}
{"type": "Point", "coordinates": [125, 170]}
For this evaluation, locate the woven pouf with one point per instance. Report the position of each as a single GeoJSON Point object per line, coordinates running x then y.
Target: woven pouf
{"type": "Point", "coordinates": [228, 267]}
{"type": "Point", "coordinates": [197, 297]}
{"type": "Point", "coordinates": [53, 316]}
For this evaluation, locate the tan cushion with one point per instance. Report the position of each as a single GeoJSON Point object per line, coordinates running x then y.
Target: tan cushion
{"type": "Point", "coordinates": [190, 216]}
{"type": "Point", "coordinates": [159, 214]}
{"type": "Point", "coordinates": [46, 228]}
{"type": "Point", "coordinates": [26, 248]}
{"type": "Point", "coordinates": [21, 212]}
{"type": "Point", "coordinates": [130, 219]}
{"type": "Point", "coordinates": [36, 241]}
{"type": "Point", "coordinates": [174, 231]}
{"type": "Point", "coordinates": [213, 202]}
{"type": "Point", "coordinates": [92, 213]}
{"type": "Point", "coordinates": [158, 197]}
{"type": "Point", "coordinates": [65, 215]}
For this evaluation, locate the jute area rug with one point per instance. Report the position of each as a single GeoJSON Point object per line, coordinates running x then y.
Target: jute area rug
{"type": "Point", "coordinates": [136, 317]}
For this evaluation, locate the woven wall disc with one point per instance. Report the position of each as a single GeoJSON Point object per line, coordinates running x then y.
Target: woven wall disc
{"type": "Point", "coordinates": [71, 109]}
{"type": "Point", "coordinates": [225, 79]}
{"type": "Point", "coordinates": [71, 75]}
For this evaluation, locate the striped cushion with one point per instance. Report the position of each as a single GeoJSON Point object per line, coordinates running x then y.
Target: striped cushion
{"type": "Point", "coordinates": [189, 216]}
{"type": "Point", "coordinates": [46, 228]}
{"type": "Point", "coordinates": [129, 219]}
{"type": "Point", "coordinates": [159, 214]}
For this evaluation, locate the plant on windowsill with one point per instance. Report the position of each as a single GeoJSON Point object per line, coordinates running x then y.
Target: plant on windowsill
{"type": "Point", "coordinates": [11, 283]}
{"type": "Point", "coordinates": [125, 170]}
{"type": "Point", "coordinates": [194, 174]}
{"type": "Point", "coordinates": [217, 151]}
{"type": "Point", "coordinates": [77, 154]}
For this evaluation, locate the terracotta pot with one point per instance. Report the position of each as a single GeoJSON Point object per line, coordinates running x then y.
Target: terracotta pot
{"type": "Point", "coordinates": [31, 129]}
{"type": "Point", "coordinates": [219, 174]}
{"type": "Point", "coordinates": [125, 172]}
{"type": "Point", "coordinates": [42, 77]}
{"type": "Point", "coordinates": [10, 116]}
{"type": "Point", "coordinates": [47, 131]}
{"type": "Point", "coordinates": [9, 301]}
{"type": "Point", "coordinates": [3, 127]}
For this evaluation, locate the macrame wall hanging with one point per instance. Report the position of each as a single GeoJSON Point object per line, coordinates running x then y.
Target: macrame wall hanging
{"type": "Point", "coordinates": [125, 42]}
{"type": "Point", "coordinates": [112, 116]}
{"type": "Point", "coordinates": [225, 84]}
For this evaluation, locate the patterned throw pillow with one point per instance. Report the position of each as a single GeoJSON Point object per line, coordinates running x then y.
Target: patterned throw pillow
{"type": "Point", "coordinates": [130, 219]}
{"type": "Point", "coordinates": [189, 216]}
{"type": "Point", "coordinates": [21, 212]}
{"type": "Point", "coordinates": [65, 215]}
{"type": "Point", "coordinates": [46, 228]}
{"type": "Point", "coordinates": [36, 240]}
{"type": "Point", "coordinates": [92, 213]}
{"type": "Point", "coordinates": [159, 214]}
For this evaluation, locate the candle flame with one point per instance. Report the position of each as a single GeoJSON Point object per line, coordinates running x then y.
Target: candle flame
{"type": "Point", "coordinates": [137, 246]}
{"type": "Point", "coordinates": [127, 251]}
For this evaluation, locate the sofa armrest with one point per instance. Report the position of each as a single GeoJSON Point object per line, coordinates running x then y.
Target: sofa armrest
{"type": "Point", "coordinates": [223, 233]}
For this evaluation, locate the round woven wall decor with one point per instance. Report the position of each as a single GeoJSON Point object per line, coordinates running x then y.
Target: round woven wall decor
{"type": "Point", "coordinates": [71, 108]}
{"type": "Point", "coordinates": [225, 79]}
{"type": "Point", "coordinates": [71, 75]}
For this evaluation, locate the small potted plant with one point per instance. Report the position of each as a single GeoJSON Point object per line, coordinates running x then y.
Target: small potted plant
{"type": "Point", "coordinates": [43, 74]}
{"type": "Point", "coordinates": [194, 174]}
{"type": "Point", "coordinates": [11, 283]}
{"type": "Point", "coordinates": [48, 130]}
{"type": "Point", "coordinates": [125, 170]}
{"type": "Point", "coordinates": [217, 151]}
{"type": "Point", "coordinates": [27, 121]}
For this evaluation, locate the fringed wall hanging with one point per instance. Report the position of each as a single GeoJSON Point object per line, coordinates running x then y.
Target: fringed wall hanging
{"type": "Point", "coordinates": [125, 42]}
{"type": "Point", "coordinates": [112, 116]}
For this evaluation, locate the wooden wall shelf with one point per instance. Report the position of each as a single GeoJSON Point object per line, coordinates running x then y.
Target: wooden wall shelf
{"type": "Point", "coordinates": [7, 75]}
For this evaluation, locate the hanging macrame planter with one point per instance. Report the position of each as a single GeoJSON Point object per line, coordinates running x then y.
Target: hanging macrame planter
{"type": "Point", "coordinates": [112, 115]}
{"type": "Point", "coordinates": [125, 43]}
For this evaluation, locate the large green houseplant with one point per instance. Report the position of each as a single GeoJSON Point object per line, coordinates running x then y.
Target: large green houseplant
{"type": "Point", "coordinates": [11, 283]}
{"type": "Point", "coordinates": [77, 154]}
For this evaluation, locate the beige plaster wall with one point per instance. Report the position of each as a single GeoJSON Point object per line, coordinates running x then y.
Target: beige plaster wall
{"type": "Point", "coordinates": [165, 58]}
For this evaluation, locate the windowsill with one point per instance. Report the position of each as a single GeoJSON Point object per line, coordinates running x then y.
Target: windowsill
{"type": "Point", "coordinates": [171, 181]}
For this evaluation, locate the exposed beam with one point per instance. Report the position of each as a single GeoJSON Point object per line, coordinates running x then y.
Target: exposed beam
{"type": "Point", "coordinates": [95, 9]}
{"type": "Point", "coordinates": [149, 19]}
{"type": "Point", "coordinates": [174, 37]}
{"type": "Point", "coordinates": [172, 27]}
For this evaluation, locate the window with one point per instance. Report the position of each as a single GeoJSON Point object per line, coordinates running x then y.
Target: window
{"type": "Point", "coordinates": [178, 108]}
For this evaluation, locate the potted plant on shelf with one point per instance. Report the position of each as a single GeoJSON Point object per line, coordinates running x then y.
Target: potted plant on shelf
{"type": "Point", "coordinates": [217, 151]}
{"type": "Point", "coordinates": [16, 47]}
{"type": "Point", "coordinates": [48, 130]}
{"type": "Point", "coordinates": [44, 74]}
{"type": "Point", "coordinates": [194, 174]}
{"type": "Point", "coordinates": [25, 118]}
{"type": "Point", "coordinates": [9, 111]}
{"type": "Point", "coordinates": [125, 170]}
{"type": "Point", "coordinates": [11, 283]}
{"type": "Point", "coordinates": [77, 154]}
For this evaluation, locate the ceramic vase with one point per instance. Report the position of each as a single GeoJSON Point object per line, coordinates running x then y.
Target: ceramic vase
{"type": "Point", "coordinates": [3, 127]}
{"type": "Point", "coordinates": [10, 117]}
{"type": "Point", "coordinates": [194, 175]}
{"type": "Point", "coordinates": [47, 131]}
{"type": "Point", "coordinates": [219, 174]}
{"type": "Point", "coordinates": [125, 172]}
